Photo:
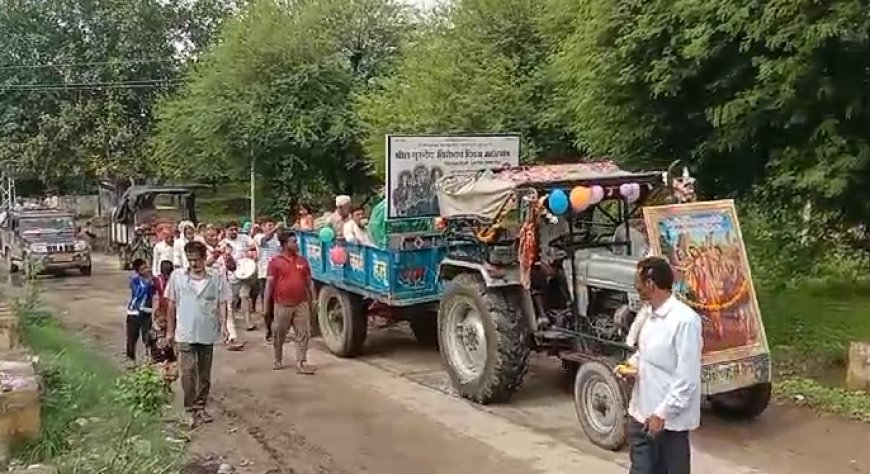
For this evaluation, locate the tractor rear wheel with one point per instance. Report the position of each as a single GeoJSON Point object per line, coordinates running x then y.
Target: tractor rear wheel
{"type": "Point", "coordinates": [742, 404]}
{"type": "Point", "coordinates": [343, 321]}
{"type": "Point", "coordinates": [484, 339]}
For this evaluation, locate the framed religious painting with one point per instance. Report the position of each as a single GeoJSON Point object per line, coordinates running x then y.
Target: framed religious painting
{"type": "Point", "coordinates": [704, 245]}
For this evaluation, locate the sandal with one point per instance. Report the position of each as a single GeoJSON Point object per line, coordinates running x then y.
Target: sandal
{"type": "Point", "coordinates": [304, 370]}
{"type": "Point", "coordinates": [277, 366]}
{"type": "Point", "coordinates": [205, 417]}
{"type": "Point", "coordinates": [235, 346]}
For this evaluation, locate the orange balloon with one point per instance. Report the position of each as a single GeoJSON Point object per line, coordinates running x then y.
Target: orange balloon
{"type": "Point", "coordinates": [580, 197]}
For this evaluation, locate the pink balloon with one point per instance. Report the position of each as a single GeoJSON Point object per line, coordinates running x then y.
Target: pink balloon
{"type": "Point", "coordinates": [338, 255]}
{"type": "Point", "coordinates": [625, 190]}
{"type": "Point", "coordinates": [597, 194]}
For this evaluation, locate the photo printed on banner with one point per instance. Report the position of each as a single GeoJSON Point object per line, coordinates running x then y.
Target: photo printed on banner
{"type": "Point", "coordinates": [415, 163]}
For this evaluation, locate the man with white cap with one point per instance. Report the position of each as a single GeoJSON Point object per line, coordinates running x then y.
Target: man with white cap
{"type": "Point", "coordinates": [186, 233]}
{"type": "Point", "coordinates": [341, 215]}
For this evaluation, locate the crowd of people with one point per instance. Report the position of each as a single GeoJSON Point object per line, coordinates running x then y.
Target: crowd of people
{"type": "Point", "coordinates": [204, 279]}
{"type": "Point", "coordinates": [201, 278]}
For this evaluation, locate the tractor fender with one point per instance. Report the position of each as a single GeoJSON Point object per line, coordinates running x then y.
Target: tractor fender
{"type": "Point", "coordinates": [493, 277]}
{"type": "Point", "coordinates": [502, 278]}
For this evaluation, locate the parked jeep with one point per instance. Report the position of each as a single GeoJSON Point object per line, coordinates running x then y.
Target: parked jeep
{"type": "Point", "coordinates": [43, 240]}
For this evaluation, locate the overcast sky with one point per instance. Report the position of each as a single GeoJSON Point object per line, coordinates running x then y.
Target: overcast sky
{"type": "Point", "coordinates": [424, 4]}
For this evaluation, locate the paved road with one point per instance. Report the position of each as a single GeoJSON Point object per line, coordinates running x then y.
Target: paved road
{"type": "Point", "coordinates": [392, 411]}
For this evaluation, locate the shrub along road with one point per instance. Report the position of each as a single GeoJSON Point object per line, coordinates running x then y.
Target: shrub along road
{"type": "Point", "coordinates": [392, 411]}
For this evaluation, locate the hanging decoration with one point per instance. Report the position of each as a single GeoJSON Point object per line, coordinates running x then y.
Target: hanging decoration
{"type": "Point", "coordinates": [635, 193]}
{"type": "Point", "coordinates": [580, 197]}
{"type": "Point", "coordinates": [338, 255]}
{"type": "Point", "coordinates": [630, 191]}
{"type": "Point", "coordinates": [596, 194]}
{"type": "Point", "coordinates": [557, 201]}
{"type": "Point", "coordinates": [528, 242]}
{"type": "Point", "coordinates": [326, 234]}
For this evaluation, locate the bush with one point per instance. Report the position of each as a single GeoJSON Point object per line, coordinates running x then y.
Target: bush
{"type": "Point", "coordinates": [811, 283]}
{"type": "Point", "coordinates": [93, 418]}
{"type": "Point", "coordinates": [143, 390]}
{"type": "Point", "coordinates": [785, 252]}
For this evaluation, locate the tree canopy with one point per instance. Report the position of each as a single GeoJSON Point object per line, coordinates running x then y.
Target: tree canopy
{"type": "Point", "coordinates": [766, 97]}
{"type": "Point", "coordinates": [78, 80]}
{"type": "Point", "coordinates": [476, 66]}
{"type": "Point", "coordinates": [278, 88]}
{"type": "Point", "coordinates": [769, 94]}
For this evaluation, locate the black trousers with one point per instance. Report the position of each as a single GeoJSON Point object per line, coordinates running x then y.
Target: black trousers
{"type": "Point", "coordinates": [138, 325]}
{"type": "Point", "coordinates": [666, 453]}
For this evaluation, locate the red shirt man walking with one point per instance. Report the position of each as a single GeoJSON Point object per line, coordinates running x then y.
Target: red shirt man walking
{"type": "Point", "coordinates": [290, 301]}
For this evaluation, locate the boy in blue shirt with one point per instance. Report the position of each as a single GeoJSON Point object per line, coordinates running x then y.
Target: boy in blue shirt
{"type": "Point", "coordinates": [139, 308]}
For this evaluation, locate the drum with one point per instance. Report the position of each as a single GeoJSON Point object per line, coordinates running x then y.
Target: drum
{"type": "Point", "coordinates": [246, 268]}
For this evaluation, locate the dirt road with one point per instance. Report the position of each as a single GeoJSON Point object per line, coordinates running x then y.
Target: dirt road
{"type": "Point", "coordinates": [392, 412]}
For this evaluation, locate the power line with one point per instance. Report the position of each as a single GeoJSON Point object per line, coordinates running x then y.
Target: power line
{"type": "Point", "coordinates": [92, 89]}
{"type": "Point", "coordinates": [61, 86]}
{"type": "Point", "coordinates": [86, 64]}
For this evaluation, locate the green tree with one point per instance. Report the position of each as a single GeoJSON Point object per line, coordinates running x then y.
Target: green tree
{"type": "Point", "coordinates": [476, 66]}
{"type": "Point", "coordinates": [752, 93]}
{"type": "Point", "coordinates": [78, 80]}
{"type": "Point", "coordinates": [278, 88]}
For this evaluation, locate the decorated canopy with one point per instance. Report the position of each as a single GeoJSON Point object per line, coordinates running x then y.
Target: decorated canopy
{"type": "Point", "coordinates": [484, 194]}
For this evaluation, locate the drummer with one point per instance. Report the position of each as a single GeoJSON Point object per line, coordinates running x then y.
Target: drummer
{"type": "Point", "coordinates": [268, 248]}
{"type": "Point", "coordinates": [241, 247]}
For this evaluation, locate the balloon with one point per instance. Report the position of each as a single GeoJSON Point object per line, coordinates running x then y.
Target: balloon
{"type": "Point", "coordinates": [597, 194]}
{"type": "Point", "coordinates": [558, 201]}
{"type": "Point", "coordinates": [580, 198]}
{"type": "Point", "coordinates": [625, 190]}
{"type": "Point", "coordinates": [635, 193]}
{"type": "Point", "coordinates": [338, 255]}
{"type": "Point", "coordinates": [327, 234]}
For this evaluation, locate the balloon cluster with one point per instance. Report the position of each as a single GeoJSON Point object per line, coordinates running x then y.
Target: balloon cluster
{"type": "Point", "coordinates": [337, 254]}
{"type": "Point", "coordinates": [582, 197]}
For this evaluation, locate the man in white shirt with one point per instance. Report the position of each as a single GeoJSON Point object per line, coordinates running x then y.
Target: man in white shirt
{"type": "Point", "coordinates": [186, 233]}
{"type": "Point", "coordinates": [354, 230]}
{"type": "Point", "coordinates": [341, 215]}
{"type": "Point", "coordinates": [666, 399]}
{"type": "Point", "coordinates": [267, 248]}
{"type": "Point", "coordinates": [240, 246]}
{"type": "Point", "coordinates": [163, 250]}
{"type": "Point", "coordinates": [216, 260]}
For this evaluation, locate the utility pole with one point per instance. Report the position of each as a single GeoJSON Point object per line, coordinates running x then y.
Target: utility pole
{"type": "Point", "coordinates": [253, 182]}
{"type": "Point", "coordinates": [7, 183]}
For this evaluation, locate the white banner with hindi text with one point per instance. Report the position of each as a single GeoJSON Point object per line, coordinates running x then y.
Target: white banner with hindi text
{"type": "Point", "coordinates": [414, 163]}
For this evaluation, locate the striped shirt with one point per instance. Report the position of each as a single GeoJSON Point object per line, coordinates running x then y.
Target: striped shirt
{"type": "Point", "coordinates": [266, 251]}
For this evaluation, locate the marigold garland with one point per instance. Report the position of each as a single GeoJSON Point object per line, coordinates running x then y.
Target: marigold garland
{"type": "Point", "coordinates": [741, 292]}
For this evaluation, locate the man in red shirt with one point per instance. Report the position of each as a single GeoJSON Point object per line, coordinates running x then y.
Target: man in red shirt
{"type": "Point", "coordinates": [290, 301]}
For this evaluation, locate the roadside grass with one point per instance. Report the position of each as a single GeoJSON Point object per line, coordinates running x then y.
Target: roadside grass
{"type": "Point", "coordinates": [94, 417]}
{"type": "Point", "coordinates": [809, 328]}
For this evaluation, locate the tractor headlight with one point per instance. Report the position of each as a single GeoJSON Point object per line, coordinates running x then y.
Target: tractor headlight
{"type": "Point", "coordinates": [38, 248]}
{"type": "Point", "coordinates": [81, 246]}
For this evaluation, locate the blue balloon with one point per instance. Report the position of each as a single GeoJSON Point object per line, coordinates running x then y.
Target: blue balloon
{"type": "Point", "coordinates": [558, 201]}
